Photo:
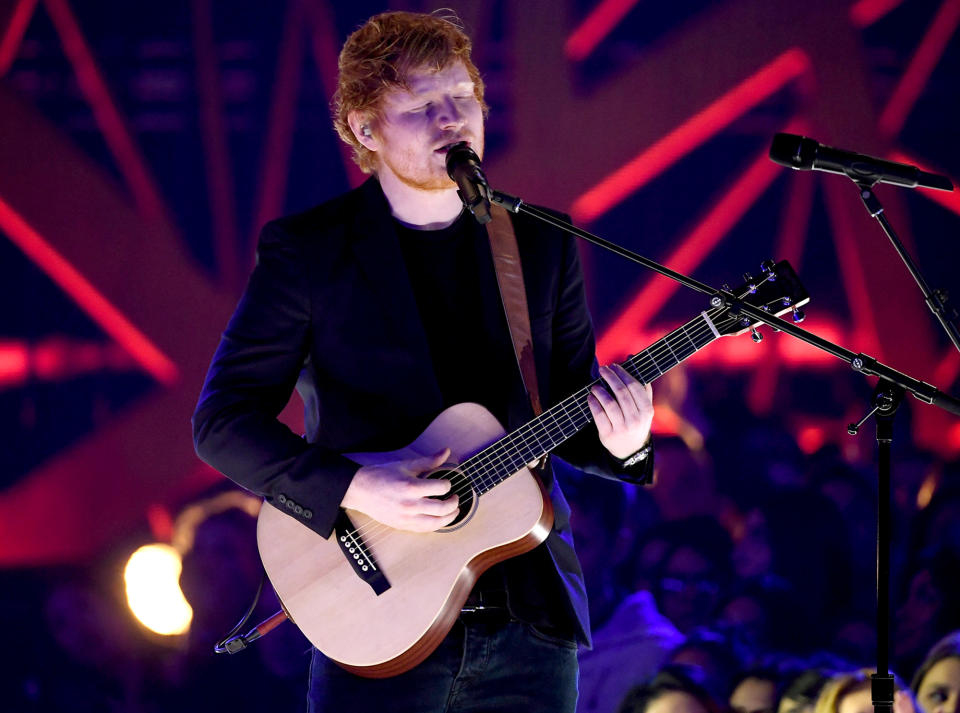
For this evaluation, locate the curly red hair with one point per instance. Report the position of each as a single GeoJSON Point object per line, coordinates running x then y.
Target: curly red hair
{"type": "Point", "coordinates": [379, 55]}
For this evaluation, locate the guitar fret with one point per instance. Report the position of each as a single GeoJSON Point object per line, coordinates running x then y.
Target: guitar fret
{"type": "Point", "coordinates": [684, 330]}
{"type": "Point", "coordinates": [543, 434]}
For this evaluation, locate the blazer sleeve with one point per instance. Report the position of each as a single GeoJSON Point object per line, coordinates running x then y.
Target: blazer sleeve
{"type": "Point", "coordinates": [252, 375]}
{"type": "Point", "coordinates": [573, 364]}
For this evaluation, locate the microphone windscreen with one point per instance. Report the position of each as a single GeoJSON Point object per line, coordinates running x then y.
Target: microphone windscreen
{"type": "Point", "coordinates": [793, 151]}
{"type": "Point", "coordinates": [460, 154]}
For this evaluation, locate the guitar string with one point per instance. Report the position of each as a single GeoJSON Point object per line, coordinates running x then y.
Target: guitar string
{"type": "Point", "coordinates": [499, 454]}
{"type": "Point", "coordinates": [520, 439]}
{"type": "Point", "coordinates": [539, 425]}
{"type": "Point", "coordinates": [370, 530]}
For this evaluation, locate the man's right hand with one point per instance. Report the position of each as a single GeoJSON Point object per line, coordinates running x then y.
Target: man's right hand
{"type": "Point", "coordinates": [395, 494]}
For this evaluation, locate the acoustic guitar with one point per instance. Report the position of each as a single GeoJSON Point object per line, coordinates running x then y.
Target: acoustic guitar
{"type": "Point", "coordinates": [376, 600]}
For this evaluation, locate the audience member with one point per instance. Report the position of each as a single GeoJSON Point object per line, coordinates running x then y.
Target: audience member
{"type": "Point", "coordinates": [676, 689]}
{"type": "Point", "coordinates": [759, 615]}
{"type": "Point", "coordinates": [936, 683]}
{"type": "Point", "coordinates": [801, 692]}
{"type": "Point", "coordinates": [695, 574]}
{"type": "Point", "coordinates": [716, 658]}
{"type": "Point", "coordinates": [755, 691]}
{"type": "Point", "coordinates": [798, 536]}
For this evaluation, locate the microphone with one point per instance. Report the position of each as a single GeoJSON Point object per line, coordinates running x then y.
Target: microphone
{"type": "Point", "coordinates": [463, 167]}
{"type": "Point", "coordinates": [803, 154]}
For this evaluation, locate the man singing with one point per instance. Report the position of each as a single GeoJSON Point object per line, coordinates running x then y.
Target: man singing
{"type": "Point", "coordinates": [381, 306]}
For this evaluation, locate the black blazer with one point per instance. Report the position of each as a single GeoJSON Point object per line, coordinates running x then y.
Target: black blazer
{"type": "Point", "coordinates": [329, 309]}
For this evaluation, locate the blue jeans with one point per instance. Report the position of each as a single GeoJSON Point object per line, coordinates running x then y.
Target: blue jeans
{"type": "Point", "coordinates": [485, 665]}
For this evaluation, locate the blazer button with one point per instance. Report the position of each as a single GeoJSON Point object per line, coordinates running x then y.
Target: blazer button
{"type": "Point", "coordinates": [290, 504]}
{"type": "Point", "coordinates": [281, 498]}
{"type": "Point", "coordinates": [298, 509]}
{"type": "Point", "coordinates": [308, 513]}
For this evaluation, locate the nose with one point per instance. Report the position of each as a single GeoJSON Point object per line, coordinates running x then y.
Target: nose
{"type": "Point", "coordinates": [449, 116]}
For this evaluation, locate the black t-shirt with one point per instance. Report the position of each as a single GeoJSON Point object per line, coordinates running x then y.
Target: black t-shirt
{"type": "Point", "coordinates": [473, 360]}
{"type": "Point", "coordinates": [470, 362]}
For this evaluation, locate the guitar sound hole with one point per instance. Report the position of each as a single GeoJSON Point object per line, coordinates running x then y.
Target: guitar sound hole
{"type": "Point", "coordinates": [463, 487]}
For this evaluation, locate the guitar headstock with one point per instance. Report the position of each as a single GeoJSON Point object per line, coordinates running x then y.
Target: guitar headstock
{"type": "Point", "coordinates": [776, 290]}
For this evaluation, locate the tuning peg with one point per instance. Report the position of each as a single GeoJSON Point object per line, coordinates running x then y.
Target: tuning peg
{"type": "Point", "coordinates": [787, 301]}
{"type": "Point", "coordinates": [755, 335]}
{"type": "Point", "coordinates": [767, 267]}
{"type": "Point", "coordinates": [799, 315]}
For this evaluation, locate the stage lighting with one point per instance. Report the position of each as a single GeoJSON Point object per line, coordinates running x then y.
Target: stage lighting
{"type": "Point", "coordinates": [153, 590]}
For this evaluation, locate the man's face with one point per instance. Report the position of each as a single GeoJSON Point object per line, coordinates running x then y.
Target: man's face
{"type": "Point", "coordinates": [418, 125]}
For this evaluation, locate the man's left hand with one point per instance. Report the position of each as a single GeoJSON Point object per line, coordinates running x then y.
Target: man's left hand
{"type": "Point", "coordinates": [623, 419]}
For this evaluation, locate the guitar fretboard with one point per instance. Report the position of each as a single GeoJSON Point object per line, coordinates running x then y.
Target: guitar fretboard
{"type": "Point", "coordinates": [540, 436]}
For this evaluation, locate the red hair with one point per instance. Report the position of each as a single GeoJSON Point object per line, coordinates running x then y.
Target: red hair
{"type": "Point", "coordinates": [379, 56]}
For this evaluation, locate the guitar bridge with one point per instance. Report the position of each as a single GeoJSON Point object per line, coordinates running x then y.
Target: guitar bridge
{"type": "Point", "coordinates": [358, 554]}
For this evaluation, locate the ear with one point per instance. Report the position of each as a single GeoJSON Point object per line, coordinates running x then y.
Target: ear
{"type": "Point", "coordinates": [360, 126]}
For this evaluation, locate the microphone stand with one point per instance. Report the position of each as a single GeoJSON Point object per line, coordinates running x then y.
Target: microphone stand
{"type": "Point", "coordinates": [891, 387]}
{"type": "Point", "coordinates": [886, 400]}
{"type": "Point", "coordinates": [936, 299]}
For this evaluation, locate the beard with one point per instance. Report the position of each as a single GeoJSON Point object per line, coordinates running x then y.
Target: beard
{"type": "Point", "coordinates": [422, 178]}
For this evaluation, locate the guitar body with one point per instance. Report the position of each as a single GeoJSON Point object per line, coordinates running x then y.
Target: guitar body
{"type": "Point", "coordinates": [430, 574]}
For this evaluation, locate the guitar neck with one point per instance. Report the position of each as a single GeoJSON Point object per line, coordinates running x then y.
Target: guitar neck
{"type": "Point", "coordinates": [543, 434]}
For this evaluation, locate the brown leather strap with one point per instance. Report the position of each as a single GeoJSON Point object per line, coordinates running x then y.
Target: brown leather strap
{"type": "Point", "coordinates": [506, 260]}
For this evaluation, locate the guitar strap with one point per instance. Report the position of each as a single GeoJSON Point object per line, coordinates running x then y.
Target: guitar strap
{"type": "Point", "coordinates": [506, 260]}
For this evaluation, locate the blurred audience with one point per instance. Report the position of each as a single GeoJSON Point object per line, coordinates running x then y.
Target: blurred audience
{"type": "Point", "coordinates": [929, 607]}
{"type": "Point", "coordinates": [630, 637]}
{"type": "Point", "coordinates": [798, 537]}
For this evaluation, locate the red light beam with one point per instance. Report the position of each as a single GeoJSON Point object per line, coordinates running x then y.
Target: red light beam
{"type": "Point", "coordinates": [16, 28]}
{"type": "Point", "coordinates": [125, 152]}
{"type": "Point", "coordinates": [791, 65]}
{"type": "Point", "coordinates": [618, 339]}
{"type": "Point", "coordinates": [924, 60]}
{"type": "Point", "coordinates": [87, 297]}
{"type": "Point", "coordinates": [595, 27]}
{"type": "Point", "coordinates": [865, 12]}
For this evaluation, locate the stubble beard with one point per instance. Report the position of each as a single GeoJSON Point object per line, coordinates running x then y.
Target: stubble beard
{"type": "Point", "coordinates": [429, 181]}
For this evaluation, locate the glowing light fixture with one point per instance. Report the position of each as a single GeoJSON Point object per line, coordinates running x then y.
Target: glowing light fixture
{"type": "Point", "coordinates": [152, 579]}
